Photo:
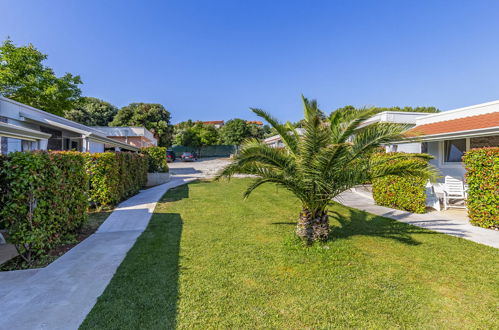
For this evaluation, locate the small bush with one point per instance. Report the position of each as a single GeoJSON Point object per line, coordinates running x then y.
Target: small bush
{"type": "Point", "coordinates": [157, 159]}
{"type": "Point", "coordinates": [115, 176]}
{"type": "Point", "coordinates": [482, 177]}
{"type": "Point", "coordinates": [404, 193]}
{"type": "Point", "coordinates": [43, 199]}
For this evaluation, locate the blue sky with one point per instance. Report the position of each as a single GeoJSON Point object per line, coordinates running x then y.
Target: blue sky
{"type": "Point", "coordinates": [213, 60]}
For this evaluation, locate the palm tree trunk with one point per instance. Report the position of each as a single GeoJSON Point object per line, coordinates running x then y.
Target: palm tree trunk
{"type": "Point", "coordinates": [311, 228]}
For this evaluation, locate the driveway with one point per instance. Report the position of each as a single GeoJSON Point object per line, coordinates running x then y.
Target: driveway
{"type": "Point", "coordinates": [203, 168]}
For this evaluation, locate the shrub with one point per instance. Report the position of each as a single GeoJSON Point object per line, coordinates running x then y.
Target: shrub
{"type": "Point", "coordinates": [482, 177]}
{"type": "Point", "coordinates": [43, 199]}
{"type": "Point", "coordinates": [115, 176]}
{"type": "Point", "coordinates": [403, 193]}
{"type": "Point", "coordinates": [157, 159]}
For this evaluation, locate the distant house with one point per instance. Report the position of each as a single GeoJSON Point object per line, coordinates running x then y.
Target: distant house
{"type": "Point", "coordinates": [24, 128]}
{"type": "Point", "coordinates": [136, 136]}
{"type": "Point", "coordinates": [216, 123]}
{"type": "Point", "coordinates": [275, 141]}
{"type": "Point", "coordinates": [254, 122]}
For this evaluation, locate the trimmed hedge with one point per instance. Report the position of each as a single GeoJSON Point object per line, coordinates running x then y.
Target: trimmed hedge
{"type": "Point", "coordinates": [43, 199]}
{"type": "Point", "coordinates": [45, 196]}
{"type": "Point", "coordinates": [115, 176]}
{"type": "Point", "coordinates": [402, 193]}
{"type": "Point", "coordinates": [482, 177]}
{"type": "Point", "coordinates": [157, 159]}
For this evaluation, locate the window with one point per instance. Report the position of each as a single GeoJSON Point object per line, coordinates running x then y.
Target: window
{"type": "Point", "coordinates": [454, 150]}
{"type": "Point", "coordinates": [424, 147]}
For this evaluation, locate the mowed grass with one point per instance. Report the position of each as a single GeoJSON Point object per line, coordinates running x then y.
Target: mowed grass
{"type": "Point", "coordinates": [209, 259]}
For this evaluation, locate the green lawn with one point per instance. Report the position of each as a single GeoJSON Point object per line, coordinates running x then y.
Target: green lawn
{"type": "Point", "coordinates": [212, 260]}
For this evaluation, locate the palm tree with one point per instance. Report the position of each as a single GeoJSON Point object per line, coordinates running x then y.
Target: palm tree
{"type": "Point", "coordinates": [331, 156]}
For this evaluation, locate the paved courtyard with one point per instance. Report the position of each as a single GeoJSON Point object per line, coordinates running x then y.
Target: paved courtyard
{"type": "Point", "coordinates": [202, 168]}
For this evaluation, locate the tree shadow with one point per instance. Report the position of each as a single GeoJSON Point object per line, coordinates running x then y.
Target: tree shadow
{"type": "Point", "coordinates": [358, 222]}
{"type": "Point", "coordinates": [177, 193]}
{"type": "Point", "coordinates": [144, 293]}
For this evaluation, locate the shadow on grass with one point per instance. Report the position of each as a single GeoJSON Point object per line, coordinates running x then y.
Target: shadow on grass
{"type": "Point", "coordinates": [143, 293]}
{"type": "Point", "coordinates": [361, 223]}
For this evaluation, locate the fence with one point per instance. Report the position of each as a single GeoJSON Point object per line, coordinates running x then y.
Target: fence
{"type": "Point", "coordinates": [207, 151]}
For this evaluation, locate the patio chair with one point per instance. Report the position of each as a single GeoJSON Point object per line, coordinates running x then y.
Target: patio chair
{"type": "Point", "coordinates": [453, 189]}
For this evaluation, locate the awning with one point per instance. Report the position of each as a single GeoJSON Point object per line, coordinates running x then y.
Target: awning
{"type": "Point", "coordinates": [21, 133]}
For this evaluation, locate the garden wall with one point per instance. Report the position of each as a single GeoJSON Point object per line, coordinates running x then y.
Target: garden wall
{"type": "Point", "coordinates": [482, 177]}
{"type": "Point", "coordinates": [207, 151]}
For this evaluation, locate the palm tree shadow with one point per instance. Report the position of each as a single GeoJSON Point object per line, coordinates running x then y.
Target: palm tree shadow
{"type": "Point", "coordinates": [360, 223]}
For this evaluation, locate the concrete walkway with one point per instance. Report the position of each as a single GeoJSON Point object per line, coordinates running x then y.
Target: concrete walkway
{"type": "Point", "coordinates": [60, 295]}
{"type": "Point", "coordinates": [436, 221]}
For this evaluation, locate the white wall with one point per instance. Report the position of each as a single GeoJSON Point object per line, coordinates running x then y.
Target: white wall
{"type": "Point", "coordinates": [436, 150]}
{"type": "Point", "coordinates": [96, 147]}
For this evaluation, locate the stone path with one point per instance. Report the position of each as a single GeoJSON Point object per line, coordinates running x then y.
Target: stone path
{"type": "Point", "coordinates": [60, 295]}
{"type": "Point", "coordinates": [437, 221]}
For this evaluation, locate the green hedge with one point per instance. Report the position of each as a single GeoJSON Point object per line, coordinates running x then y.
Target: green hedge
{"type": "Point", "coordinates": [115, 176]}
{"type": "Point", "coordinates": [157, 159]}
{"type": "Point", "coordinates": [402, 193]}
{"type": "Point", "coordinates": [482, 177]}
{"type": "Point", "coordinates": [45, 196]}
{"type": "Point", "coordinates": [43, 199]}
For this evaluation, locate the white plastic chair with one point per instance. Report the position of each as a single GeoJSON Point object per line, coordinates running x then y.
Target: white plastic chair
{"type": "Point", "coordinates": [453, 189]}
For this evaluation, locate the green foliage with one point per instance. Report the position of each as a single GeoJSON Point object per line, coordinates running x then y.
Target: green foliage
{"type": "Point", "coordinates": [25, 79]}
{"type": "Point", "coordinates": [482, 177]}
{"type": "Point", "coordinates": [156, 159]}
{"type": "Point", "coordinates": [404, 193]}
{"type": "Point", "coordinates": [92, 112]}
{"type": "Point", "coordinates": [152, 116]}
{"type": "Point", "coordinates": [43, 199]}
{"type": "Point", "coordinates": [115, 176]}
{"type": "Point", "coordinates": [235, 131]}
{"type": "Point", "coordinates": [330, 157]}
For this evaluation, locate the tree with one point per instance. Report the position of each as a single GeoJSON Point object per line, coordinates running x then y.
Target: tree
{"type": "Point", "coordinates": [332, 155]}
{"type": "Point", "coordinates": [208, 134]}
{"type": "Point", "coordinates": [92, 112]}
{"type": "Point", "coordinates": [234, 132]}
{"type": "Point", "coordinates": [188, 137]}
{"type": "Point", "coordinates": [152, 116]}
{"type": "Point", "coordinates": [25, 79]}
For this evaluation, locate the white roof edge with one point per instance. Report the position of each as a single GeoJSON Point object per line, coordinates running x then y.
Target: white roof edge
{"type": "Point", "coordinates": [448, 135]}
{"type": "Point", "coordinates": [480, 105]}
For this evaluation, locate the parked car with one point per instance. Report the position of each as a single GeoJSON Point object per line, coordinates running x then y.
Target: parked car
{"type": "Point", "coordinates": [170, 156]}
{"type": "Point", "coordinates": [188, 157]}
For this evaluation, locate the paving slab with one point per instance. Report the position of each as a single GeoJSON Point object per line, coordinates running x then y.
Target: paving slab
{"type": "Point", "coordinates": [454, 224]}
{"type": "Point", "coordinates": [60, 295]}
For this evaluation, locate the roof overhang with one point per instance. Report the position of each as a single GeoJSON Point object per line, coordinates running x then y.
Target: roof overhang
{"type": "Point", "coordinates": [92, 136]}
{"type": "Point", "coordinates": [489, 131]}
{"type": "Point", "coordinates": [21, 133]}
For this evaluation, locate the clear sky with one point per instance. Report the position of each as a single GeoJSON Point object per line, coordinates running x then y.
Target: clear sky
{"type": "Point", "coordinates": [212, 60]}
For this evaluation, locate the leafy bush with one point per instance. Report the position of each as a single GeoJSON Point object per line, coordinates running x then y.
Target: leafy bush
{"type": "Point", "coordinates": [157, 159]}
{"type": "Point", "coordinates": [403, 193]}
{"type": "Point", "coordinates": [115, 176]}
{"type": "Point", "coordinates": [43, 199]}
{"type": "Point", "coordinates": [482, 177]}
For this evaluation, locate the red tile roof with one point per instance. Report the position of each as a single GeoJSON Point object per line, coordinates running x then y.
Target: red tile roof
{"type": "Point", "coordinates": [213, 122]}
{"type": "Point", "coordinates": [256, 122]}
{"type": "Point", "coordinates": [456, 125]}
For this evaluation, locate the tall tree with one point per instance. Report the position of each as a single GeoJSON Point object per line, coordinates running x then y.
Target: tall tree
{"type": "Point", "coordinates": [91, 111]}
{"type": "Point", "coordinates": [234, 132]}
{"type": "Point", "coordinates": [152, 116]}
{"type": "Point", "coordinates": [329, 158]}
{"type": "Point", "coordinates": [25, 79]}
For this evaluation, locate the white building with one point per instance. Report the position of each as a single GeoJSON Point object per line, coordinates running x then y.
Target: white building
{"type": "Point", "coordinates": [137, 136]}
{"type": "Point", "coordinates": [448, 135]}
{"type": "Point", "coordinates": [24, 128]}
